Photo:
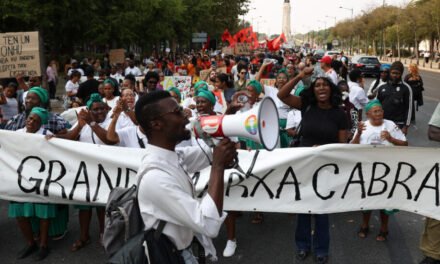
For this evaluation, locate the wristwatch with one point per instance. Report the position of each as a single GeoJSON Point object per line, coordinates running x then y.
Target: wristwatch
{"type": "Point", "coordinates": [92, 124]}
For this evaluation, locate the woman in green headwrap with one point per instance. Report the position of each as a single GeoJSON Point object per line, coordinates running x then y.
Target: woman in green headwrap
{"type": "Point", "coordinates": [175, 93]}
{"type": "Point", "coordinates": [109, 93]}
{"type": "Point", "coordinates": [24, 212]}
{"type": "Point", "coordinates": [205, 101]}
{"type": "Point", "coordinates": [377, 131]}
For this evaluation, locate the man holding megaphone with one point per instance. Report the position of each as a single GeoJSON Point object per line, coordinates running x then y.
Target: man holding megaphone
{"type": "Point", "coordinates": [166, 191]}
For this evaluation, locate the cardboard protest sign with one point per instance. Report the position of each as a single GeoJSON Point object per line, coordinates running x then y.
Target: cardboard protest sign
{"type": "Point", "coordinates": [183, 83]}
{"type": "Point", "coordinates": [19, 54]}
{"type": "Point", "coordinates": [326, 179]}
{"type": "Point", "coordinates": [268, 82]}
{"type": "Point", "coordinates": [117, 56]}
{"type": "Point", "coordinates": [140, 83]}
{"type": "Point", "coordinates": [204, 74]}
{"type": "Point", "coordinates": [228, 50]}
{"type": "Point", "coordinates": [242, 49]}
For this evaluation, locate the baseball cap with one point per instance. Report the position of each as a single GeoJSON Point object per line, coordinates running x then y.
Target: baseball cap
{"type": "Point", "coordinates": [326, 60]}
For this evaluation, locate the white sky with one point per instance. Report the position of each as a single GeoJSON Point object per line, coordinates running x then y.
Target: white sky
{"type": "Point", "coordinates": [307, 15]}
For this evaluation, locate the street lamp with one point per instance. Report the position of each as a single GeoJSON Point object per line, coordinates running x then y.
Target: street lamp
{"type": "Point", "coordinates": [351, 35]}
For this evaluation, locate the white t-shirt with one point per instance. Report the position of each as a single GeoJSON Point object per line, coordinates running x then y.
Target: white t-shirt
{"type": "Point", "coordinates": [87, 134]}
{"type": "Point", "coordinates": [332, 75]}
{"type": "Point", "coordinates": [293, 119]}
{"type": "Point", "coordinates": [129, 137]}
{"type": "Point", "coordinates": [133, 71]}
{"type": "Point", "coordinates": [371, 134]}
{"type": "Point", "coordinates": [112, 102]}
{"type": "Point", "coordinates": [39, 132]}
{"type": "Point", "coordinates": [72, 87]}
{"type": "Point", "coordinates": [283, 109]}
{"type": "Point", "coordinates": [357, 95]}
{"type": "Point", "coordinates": [124, 121]}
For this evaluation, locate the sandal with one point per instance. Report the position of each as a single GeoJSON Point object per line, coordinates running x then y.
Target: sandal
{"type": "Point", "coordinates": [79, 244]}
{"type": "Point", "coordinates": [382, 236]}
{"type": "Point", "coordinates": [363, 232]}
{"type": "Point", "coordinates": [258, 218]}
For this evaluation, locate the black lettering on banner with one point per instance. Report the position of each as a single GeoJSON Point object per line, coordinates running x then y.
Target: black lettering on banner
{"type": "Point", "coordinates": [434, 171]}
{"type": "Point", "coordinates": [373, 179]}
{"type": "Point", "coordinates": [36, 188]}
{"type": "Point", "coordinates": [285, 182]}
{"type": "Point", "coordinates": [127, 176]}
{"type": "Point", "coordinates": [118, 178]}
{"type": "Point", "coordinates": [261, 181]}
{"type": "Point", "coordinates": [101, 171]}
{"type": "Point", "coordinates": [402, 183]}
{"type": "Point", "coordinates": [315, 181]}
{"type": "Point", "coordinates": [361, 181]}
{"type": "Point", "coordinates": [49, 180]}
{"type": "Point", "coordinates": [81, 170]}
{"type": "Point", "coordinates": [230, 185]}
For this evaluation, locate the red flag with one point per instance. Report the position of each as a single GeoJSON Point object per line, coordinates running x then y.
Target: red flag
{"type": "Point", "coordinates": [275, 44]}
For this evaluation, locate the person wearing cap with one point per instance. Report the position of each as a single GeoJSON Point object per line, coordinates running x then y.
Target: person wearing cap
{"type": "Point", "coordinates": [382, 79]}
{"type": "Point", "coordinates": [396, 98]}
{"type": "Point", "coordinates": [8, 103]}
{"type": "Point", "coordinates": [377, 131]}
{"type": "Point", "coordinates": [41, 212]}
{"type": "Point", "coordinates": [329, 72]}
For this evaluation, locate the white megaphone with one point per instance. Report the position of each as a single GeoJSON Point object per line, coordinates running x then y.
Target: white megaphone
{"type": "Point", "coordinates": [259, 124]}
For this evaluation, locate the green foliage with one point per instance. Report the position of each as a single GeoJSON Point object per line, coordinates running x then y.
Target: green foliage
{"type": "Point", "coordinates": [66, 24]}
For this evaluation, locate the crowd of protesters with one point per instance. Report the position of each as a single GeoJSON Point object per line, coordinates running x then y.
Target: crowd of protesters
{"type": "Point", "coordinates": [324, 98]}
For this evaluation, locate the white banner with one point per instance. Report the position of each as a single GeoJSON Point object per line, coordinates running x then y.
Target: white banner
{"type": "Point", "coordinates": [326, 179]}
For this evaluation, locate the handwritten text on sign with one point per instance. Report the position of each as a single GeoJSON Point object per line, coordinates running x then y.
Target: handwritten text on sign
{"type": "Point", "coordinates": [19, 53]}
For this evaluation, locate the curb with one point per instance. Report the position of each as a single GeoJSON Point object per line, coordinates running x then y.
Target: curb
{"type": "Point", "coordinates": [407, 64]}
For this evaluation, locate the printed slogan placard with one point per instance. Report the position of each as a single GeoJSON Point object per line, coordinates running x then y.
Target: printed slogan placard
{"type": "Point", "coordinates": [19, 54]}
{"type": "Point", "coordinates": [326, 179]}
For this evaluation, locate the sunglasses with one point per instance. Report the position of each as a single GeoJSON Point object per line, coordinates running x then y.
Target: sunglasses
{"type": "Point", "coordinates": [177, 111]}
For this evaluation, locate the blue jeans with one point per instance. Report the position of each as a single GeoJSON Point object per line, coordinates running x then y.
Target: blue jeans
{"type": "Point", "coordinates": [321, 236]}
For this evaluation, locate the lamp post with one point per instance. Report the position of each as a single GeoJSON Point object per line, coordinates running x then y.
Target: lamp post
{"type": "Point", "coordinates": [351, 35]}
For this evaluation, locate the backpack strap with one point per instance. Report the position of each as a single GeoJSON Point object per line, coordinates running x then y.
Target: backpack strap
{"type": "Point", "coordinates": [159, 229]}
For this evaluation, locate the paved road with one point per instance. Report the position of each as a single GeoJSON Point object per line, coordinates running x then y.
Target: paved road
{"type": "Point", "coordinates": [273, 240]}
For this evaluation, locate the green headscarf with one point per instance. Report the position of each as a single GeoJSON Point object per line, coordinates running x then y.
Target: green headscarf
{"type": "Point", "coordinates": [206, 94]}
{"type": "Point", "coordinates": [176, 91]}
{"type": "Point", "coordinates": [109, 81]}
{"type": "Point", "coordinates": [41, 92]}
{"type": "Point", "coordinates": [94, 98]}
{"type": "Point", "coordinates": [257, 86]}
{"type": "Point", "coordinates": [371, 104]}
{"type": "Point", "coordinates": [283, 70]}
{"type": "Point", "coordinates": [201, 85]}
{"type": "Point", "coordinates": [42, 113]}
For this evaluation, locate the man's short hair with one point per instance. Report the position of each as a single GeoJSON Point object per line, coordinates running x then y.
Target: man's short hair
{"type": "Point", "coordinates": [355, 75]}
{"type": "Point", "coordinates": [146, 108]}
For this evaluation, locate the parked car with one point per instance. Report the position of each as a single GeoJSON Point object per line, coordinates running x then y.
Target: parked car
{"type": "Point", "coordinates": [368, 65]}
{"type": "Point", "coordinates": [332, 52]}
